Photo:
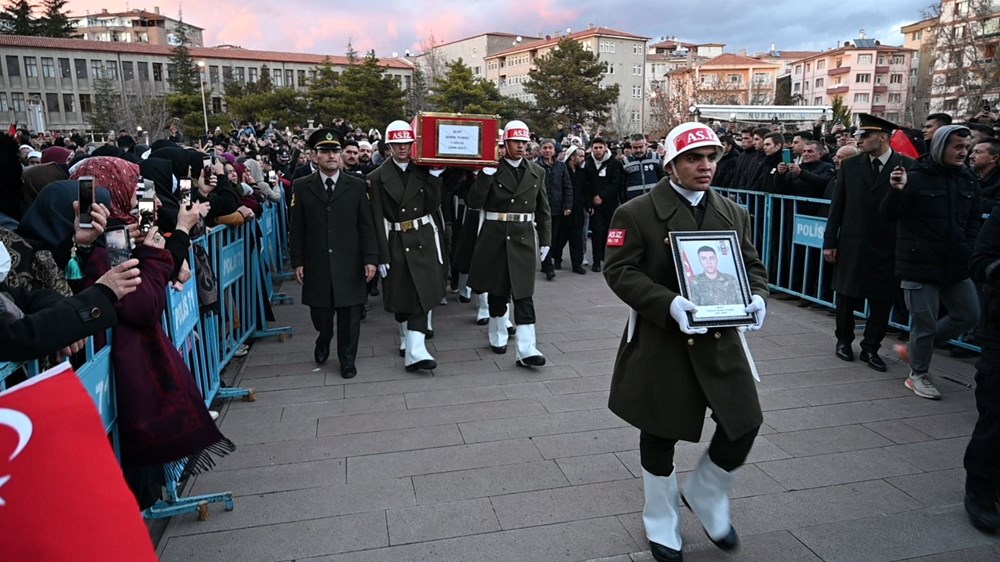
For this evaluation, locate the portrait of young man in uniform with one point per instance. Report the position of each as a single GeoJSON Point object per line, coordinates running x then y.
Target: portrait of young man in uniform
{"type": "Point", "coordinates": [712, 286]}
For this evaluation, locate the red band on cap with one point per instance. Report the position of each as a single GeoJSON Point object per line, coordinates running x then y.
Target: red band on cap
{"type": "Point", "coordinates": [694, 136]}
{"type": "Point", "coordinates": [401, 135]}
{"type": "Point", "coordinates": [511, 133]}
{"type": "Point", "coordinates": [616, 238]}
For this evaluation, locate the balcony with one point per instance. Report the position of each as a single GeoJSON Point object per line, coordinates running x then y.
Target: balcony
{"type": "Point", "coordinates": [838, 71]}
{"type": "Point", "coordinates": [881, 69]}
{"type": "Point", "coordinates": [837, 90]}
{"type": "Point", "coordinates": [880, 88]}
{"type": "Point", "coordinates": [878, 109]}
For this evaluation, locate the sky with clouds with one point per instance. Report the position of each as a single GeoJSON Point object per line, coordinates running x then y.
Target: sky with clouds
{"type": "Point", "coordinates": [324, 26]}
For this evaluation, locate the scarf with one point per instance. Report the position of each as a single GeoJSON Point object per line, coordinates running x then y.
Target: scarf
{"type": "Point", "coordinates": [118, 176]}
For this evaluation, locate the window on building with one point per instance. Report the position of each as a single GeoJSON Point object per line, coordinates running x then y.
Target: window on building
{"type": "Point", "coordinates": [301, 75]}
{"type": "Point", "coordinates": [4, 106]}
{"type": "Point", "coordinates": [808, 67]}
{"type": "Point", "coordinates": [877, 99]}
{"type": "Point", "coordinates": [951, 105]}
{"type": "Point", "coordinates": [52, 103]}
{"type": "Point", "coordinates": [216, 105]}
{"type": "Point", "coordinates": [635, 116]}
{"type": "Point", "coordinates": [817, 100]}
{"type": "Point", "coordinates": [96, 69]}
{"type": "Point", "coordinates": [819, 82]}
{"type": "Point", "coordinates": [213, 75]}
{"type": "Point", "coordinates": [636, 92]}
{"type": "Point", "coordinates": [86, 106]}
{"type": "Point", "coordinates": [69, 103]}
{"type": "Point", "coordinates": [878, 78]}
{"type": "Point", "coordinates": [863, 78]}
{"type": "Point", "coordinates": [733, 78]}
{"type": "Point", "coordinates": [48, 67]}
{"type": "Point", "coordinates": [289, 78]}
{"type": "Point", "coordinates": [30, 67]}
{"type": "Point", "coordinates": [17, 101]}
{"type": "Point", "coordinates": [609, 68]}
{"type": "Point", "coordinates": [798, 69]}
{"type": "Point", "coordinates": [796, 86]}
{"type": "Point", "coordinates": [276, 77]}
{"type": "Point", "coordinates": [81, 69]}
{"type": "Point", "coordinates": [821, 64]}
{"type": "Point", "coordinates": [761, 78]}
{"type": "Point", "coordinates": [111, 67]}
{"type": "Point", "coordinates": [881, 60]}
{"type": "Point", "coordinates": [895, 98]}
{"type": "Point", "coordinates": [240, 74]}
{"type": "Point", "coordinates": [252, 78]}
{"type": "Point", "coordinates": [636, 49]}
{"type": "Point", "coordinates": [64, 69]}
{"type": "Point", "coordinates": [157, 74]}
{"type": "Point", "coordinates": [898, 59]}
{"type": "Point", "coordinates": [916, 35]}
{"type": "Point", "coordinates": [127, 73]}
{"type": "Point", "coordinates": [895, 78]}
{"type": "Point", "coordinates": [142, 68]}
{"type": "Point", "coordinates": [864, 59]}
{"type": "Point", "coordinates": [861, 97]}
{"type": "Point", "coordinates": [636, 70]}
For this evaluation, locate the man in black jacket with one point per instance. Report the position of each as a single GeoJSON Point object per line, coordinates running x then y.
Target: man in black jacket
{"type": "Point", "coordinates": [936, 206]}
{"type": "Point", "coordinates": [559, 189]}
{"type": "Point", "coordinates": [604, 180]}
{"type": "Point", "coordinates": [985, 161]}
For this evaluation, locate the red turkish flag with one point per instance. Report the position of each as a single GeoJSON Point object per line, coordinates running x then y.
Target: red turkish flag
{"type": "Point", "coordinates": [62, 494]}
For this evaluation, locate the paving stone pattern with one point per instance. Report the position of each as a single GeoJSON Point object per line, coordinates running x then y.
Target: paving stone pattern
{"type": "Point", "coordinates": [482, 460]}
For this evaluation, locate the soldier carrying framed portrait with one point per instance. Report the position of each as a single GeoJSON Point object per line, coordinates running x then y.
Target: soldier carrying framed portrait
{"type": "Point", "coordinates": [712, 275]}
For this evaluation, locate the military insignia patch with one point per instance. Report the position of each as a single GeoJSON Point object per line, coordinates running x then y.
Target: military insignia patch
{"type": "Point", "coordinates": [616, 238]}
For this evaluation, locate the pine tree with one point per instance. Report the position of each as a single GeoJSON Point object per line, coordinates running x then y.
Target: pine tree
{"type": "Point", "coordinates": [366, 96]}
{"type": "Point", "coordinates": [566, 84]}
{"type": "Point", "coordinates": [55, 20]}
{"type": "Point", "coordinates": [457, 90]}
{"type": "Point", "coordinates": [105, 116]}
{"type": "Point", "coordinates": [320, 96]}
{"type": "Point", "coordinates": [186, 77]}
{"type": "Point", "coordinates": [17, 18]}
{"type": "Point", "coordinates": [264, 83]}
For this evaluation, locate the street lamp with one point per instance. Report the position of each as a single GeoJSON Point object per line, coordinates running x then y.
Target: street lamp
{"type": "Point", "coordinates": [201, 81]}
{"type": "Point", "coordinates": [694, 110]}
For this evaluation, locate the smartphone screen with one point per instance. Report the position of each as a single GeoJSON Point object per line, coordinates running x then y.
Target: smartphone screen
{"type": "Point", "coordinates": [117, 242]}
{"type": "Point", "coordinates": [786, 155]}
{"type": "Point", "coordinates": [184, 190]}
{"type": "Point", "coordinates": [86, 199]}
{"type": "Point", "coordinates": [147, 212]}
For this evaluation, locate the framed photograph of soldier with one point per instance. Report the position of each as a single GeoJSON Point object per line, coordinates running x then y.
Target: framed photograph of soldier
{"type": "Point", "coordinates": [456, 139]}
{"type": "Point", "coordinates": [711, 274]}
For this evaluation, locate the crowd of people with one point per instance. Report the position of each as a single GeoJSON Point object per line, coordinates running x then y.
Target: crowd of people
{"type": "Point", "coordinates": [904, 214]}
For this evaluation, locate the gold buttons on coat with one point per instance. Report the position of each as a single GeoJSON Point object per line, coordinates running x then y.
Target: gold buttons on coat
{"type": "Point", "coordinates": [690, 341]}
{"type": "Point", "coordinates": [407, 249]}
{"type": "Point", "coordinates": [718, 335]}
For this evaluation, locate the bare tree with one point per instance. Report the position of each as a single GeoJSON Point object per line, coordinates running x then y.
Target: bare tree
{"type": "Point", "coordinates": [431, 61]}
{"type": "Point", "coordinates": [140, 106]}
{"type": "Point", "coordinates": [966, 68]}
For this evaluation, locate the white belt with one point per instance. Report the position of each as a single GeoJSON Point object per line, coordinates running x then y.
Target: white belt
{"type": "Point", "coordinates": [414, 225]}
{"type": "Point", "coordinates": [410, 225]}
{"type": "Point", "coordinates": [510, 217]}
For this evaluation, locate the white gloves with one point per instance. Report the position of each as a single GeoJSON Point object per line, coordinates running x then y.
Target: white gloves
{"type": "Point", "coordinates": [679, 307]}
{"type": "Point", "coordinates": [542, 252]}
{"type": "Point", "coordinates": [489, 171]}
{"type": "Point", "coordinates": [757, 307]}
{"type": "Point", "coordinates": [437, 171]}
{"type": "Point", "coordinates": [383, 270]}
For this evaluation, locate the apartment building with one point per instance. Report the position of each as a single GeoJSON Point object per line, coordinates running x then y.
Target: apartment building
{"type": "Point", "coordinates": [728, 79]}
{"type": "Point", "coordinates": [920, 37]}
{"type": "Point", "coordinates": [473, 50]}
{"type": "Point", "coordinates": [133, 26]}
{"type": "Point", "coordinates": [59, 74]}
{"type": "Point", "coordinates": [623, 55]}
{"type": "Point", "coordinates": [870, 77]}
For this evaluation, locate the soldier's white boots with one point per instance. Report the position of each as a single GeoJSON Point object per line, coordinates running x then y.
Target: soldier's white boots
{"type": "Point", "coordinates": [498, 334]}
{"type": "Point", "coordinates": [527, 354]}
{"type": "Point", "coordinates": [706, 492]}
{"type": "Point", "coordinates": [417, 356]}
{"type": "Point", "coordinates": [464, 292]}
{"type": "Point", "coordinates": [402, 339]}
{"type": "Point", "coordinates": [507, 322]}
{"type": "Point", "coordinates": [430, 324]}
{"type": "Point", "coordinates": [482, 309]}
{"type": "Point", "coordinates": [662, 515]}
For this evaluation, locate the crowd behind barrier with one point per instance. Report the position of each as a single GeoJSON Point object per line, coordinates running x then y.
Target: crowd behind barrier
{"type": "Point", "coordinates": [245, 259]}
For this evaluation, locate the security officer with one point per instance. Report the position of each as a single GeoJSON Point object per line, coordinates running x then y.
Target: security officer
{"type": "Point", "coordinates": [642, 169]}
{"type": "Point", "coordinates": [333, 249]}
{"type": "Point", "coordinates": [668, 372]}
{"type": "Point", "coordinates": [512, 197]}
{"type": "Point", "coordinates": [405, 198]}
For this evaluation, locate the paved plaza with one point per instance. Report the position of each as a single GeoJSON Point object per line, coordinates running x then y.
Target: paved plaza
{"type": "Point", "coordinates": [483, 460]}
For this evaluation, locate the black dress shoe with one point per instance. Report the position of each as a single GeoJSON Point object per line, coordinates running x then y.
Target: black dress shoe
{"type": "Point", "coordinates": [557, 265]}
{"type": "Point", "coordinates": [511, 330]}
{"type": "Point", "coordinates": [983, 514]}
{"type": "Point", "coordinates": [482, 321]}
{"type": "Point", "coordinates": [550, 275]}
{"type": "Point", "coordinates": [728, 542]}
{"type": "Point", "coordinates": [579, 269]}
{"type": "Point", "coordinates": [845, 352]}
{"type": "Point", "coordinates": [499, 350]}
{"type": "Point", "coordinates": [348, 372]}
{"type": "Point", "coordinates": [462, 299]}
{"type": "Point", "coordinates": [429, 335]}
{"type": "Point", "coordinates": [596, 268]}
{"type": "Point", "coordinates": [873, 360]}
{"type": "Point", "coordinates": [664, 554]}
{"type": "Point", "coordinates": [533, 361]}
{"type": "Point", "coordinates": [426, 364]}
{"type": "Point", "coordinates": [321, 353]}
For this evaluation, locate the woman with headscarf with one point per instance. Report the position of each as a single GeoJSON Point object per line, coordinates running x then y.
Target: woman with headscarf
{"type": "Point", "coordinates": [260, 183]}
{"type": "Point", "coordinates": [161, 414]}
{"type": "Point", "coordinates": [35, 178]}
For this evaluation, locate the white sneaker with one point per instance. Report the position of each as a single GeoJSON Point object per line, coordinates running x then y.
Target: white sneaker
{"type": "Point", "coordinates": [586, 261]}
{"type": "Point", "coordinates": [922, 386]}
{"type": "Point", "coordinates": [213, 414]}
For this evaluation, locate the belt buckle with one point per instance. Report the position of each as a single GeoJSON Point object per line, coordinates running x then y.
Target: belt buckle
{"type": "Point", "coordinates": [405, 226]}
{"type": "Point", "coordinates": [502, 216]}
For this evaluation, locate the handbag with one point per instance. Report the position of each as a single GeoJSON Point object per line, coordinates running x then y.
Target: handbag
{"type": "Point", "coordinates": [208, 289]}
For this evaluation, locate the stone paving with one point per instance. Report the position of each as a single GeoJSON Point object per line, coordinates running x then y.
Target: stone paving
{"type": "Point", "coordinates": [483, 460]}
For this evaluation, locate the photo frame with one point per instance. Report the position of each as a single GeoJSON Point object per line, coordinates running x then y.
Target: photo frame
{"type": "Point", "coordinates": [712, 275]}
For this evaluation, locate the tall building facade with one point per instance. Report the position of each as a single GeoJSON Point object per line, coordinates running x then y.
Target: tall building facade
{"type": "Point", "coordinates": [134, 26]}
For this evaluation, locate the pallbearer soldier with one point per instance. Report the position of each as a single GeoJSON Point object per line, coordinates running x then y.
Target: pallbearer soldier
{"type": "Point", "coordinates": [333, 249]}
{"type": "Point", "coordinates": [667, 372]}
{"type": "Point", "coordinates": [405, 196]}
{"type": "Point", "coordinates": [512, 197]}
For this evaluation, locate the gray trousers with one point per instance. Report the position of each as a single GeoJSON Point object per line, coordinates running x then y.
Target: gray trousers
{"type": "Point", "coordinates": [924, 300]}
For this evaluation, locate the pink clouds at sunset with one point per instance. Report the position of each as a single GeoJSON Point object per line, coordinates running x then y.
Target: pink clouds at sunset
{"type": "Point", "coordinates": [325, 26]}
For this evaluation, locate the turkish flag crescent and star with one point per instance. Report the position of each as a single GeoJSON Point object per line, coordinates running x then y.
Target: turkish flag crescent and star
{"type": "Point", "coordinates": [62, 494]}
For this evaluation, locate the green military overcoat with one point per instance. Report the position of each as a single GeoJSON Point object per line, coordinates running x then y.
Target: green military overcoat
{"type": "Point", "coordinates": [664, 379]}
{"type": "Point", "coordinates": [415, 283]}
{"type": "Point", "coordinates": [506, 254]}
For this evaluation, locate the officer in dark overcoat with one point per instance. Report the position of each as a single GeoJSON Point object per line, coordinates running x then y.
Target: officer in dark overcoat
{"type": "Point", "coordinates": [405, 198]}
{"type": "Point", "coordinates": [333, 249]}
{"type": "Point", "coordinates": [860, 243]}
{"type": "Point", "coordinates": [668, 372]}
{"type": "Point", "coordinates": [515, 207]}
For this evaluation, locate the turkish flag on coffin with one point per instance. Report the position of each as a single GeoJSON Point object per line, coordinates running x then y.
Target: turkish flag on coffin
{"type": "Point", "coordinates": [62, 495]}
